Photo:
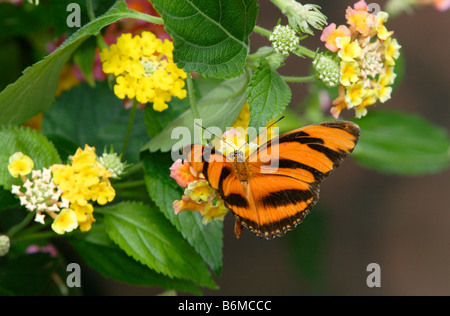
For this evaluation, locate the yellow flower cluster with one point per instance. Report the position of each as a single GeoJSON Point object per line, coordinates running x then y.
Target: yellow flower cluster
{"type": "Point", "coordinates": [64, 192]}
{"type": "Point", "coordinates": [368, 53]}
{"type": "Point", "coordinates": [144, 69]}
{"type": "Point", "coordinates": [84, 180]}
{"type": "Point", "coordinates": [199, 196]}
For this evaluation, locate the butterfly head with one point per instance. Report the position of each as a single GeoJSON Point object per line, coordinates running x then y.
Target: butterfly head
{"type": "Point", "coordinates": [237, 156]}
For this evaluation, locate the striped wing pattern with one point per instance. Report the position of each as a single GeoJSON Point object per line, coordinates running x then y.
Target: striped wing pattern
{"type": "Point", "coordinates": [283, 175]}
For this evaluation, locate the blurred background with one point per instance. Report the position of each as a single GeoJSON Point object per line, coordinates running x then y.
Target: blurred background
{"type": "Point", "coordinates": [401, 223]}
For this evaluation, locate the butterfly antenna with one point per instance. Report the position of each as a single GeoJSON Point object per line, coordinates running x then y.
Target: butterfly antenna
{"type": "Point", "coordinates": [267, 128]}
{"type": "Point", "coordinates": [214, 134]}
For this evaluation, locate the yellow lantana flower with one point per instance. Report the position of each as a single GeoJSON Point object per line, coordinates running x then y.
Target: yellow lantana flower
{"type": "Point", "coordinates": [392, 51]}
{"type": "Point", "coordinates": [84, 215]}
{"type": "Point", "coordinates": [65, 222]}
{"type": "Point", "coordinates": [355, 94]}
{"type": "Point", "coordinates": [348, 50]}
{"type": "Point", "coordinates": [20, 165]}
{"type": "Point", "coordinates": [382, 31]}
{"type": "Point", "coordinates": [349, 72]}
{"type": "Point", "coordinates": [217, 211]}
{"type": "Point", "coordinates": [199, 191]}
{"type": "Point", "coordinates": [103, 193]}
{"type": "Point", "coordinates": [331, 33]}
{"type": "Point", "coordinates": [359, 18]}
{"type": "Point", "coordinates": [144, 69]}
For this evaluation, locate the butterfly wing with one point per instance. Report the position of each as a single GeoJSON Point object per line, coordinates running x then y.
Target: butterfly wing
{"type": "Point", "coordinates": [221, 176]}
{"type": "Point", "coordinates": [285, 174]}
{"type": "Point", "coordinates": [212, 164]}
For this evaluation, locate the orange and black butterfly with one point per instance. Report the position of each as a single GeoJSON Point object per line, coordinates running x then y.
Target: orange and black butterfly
{"type": "Point", "coordinates": [275, 187]}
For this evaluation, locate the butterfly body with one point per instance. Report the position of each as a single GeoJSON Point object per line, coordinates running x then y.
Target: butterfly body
{"type": "Point", "coordinates": [241, 166]}
{"type": "Point", "coordinates": [275, 187]}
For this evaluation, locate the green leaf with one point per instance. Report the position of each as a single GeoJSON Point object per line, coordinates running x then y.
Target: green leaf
{"type": "Point", "coordinates": [268, 96]}
{"type": "Point", "coordinates": [210, 37]}
{"type": "Point", "coordinates": [401, 143]}
{"type": "Point", "coordinates": [144, 234]}
{"type": "Point", "coordinates": [95, 116]}
{"type": "Point", "coordinates": [28, 141]}
{"type": "Point", "coordinates": [220, 108]}
{"type": "Point", "coordinates": [34, 91]}
{"type": "Point", "coordinates": [7, 200]}
{"type": "Point", "coordinates": [101, 254]}
{"type": "Point", "coordinates": [64, 146]}
{"type": "Point", "coordinates": [28, 19]}
{"type": "Point", "coordinates": [84, 58]}
{"type": "Point", "coordinates": [155, 122]}
{"type": "Point", "coordinates": [206, 239]}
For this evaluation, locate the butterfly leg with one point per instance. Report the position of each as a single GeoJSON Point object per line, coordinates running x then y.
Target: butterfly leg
{"type": "Point", "coordinates": [237, 228]}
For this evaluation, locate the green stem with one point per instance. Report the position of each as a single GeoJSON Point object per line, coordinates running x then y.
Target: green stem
{"type": "Point", "coordinates": [15, 229]}
{"type": "Point", "coordinates": [51, 234]}
{"type": "Point", "coordinates": [281, 4]}
{"type": "Point", "coordinates": [37, 236]}
{"type": "Point", "coordinates": [300, 50]}
{"type": "Point", "coordinates": [299, 79]}
{"type": "Point", "coordinates": [136, 168]}
{"type": "Point", "coordinates": [90, 10]}
{"type": "Point", "coordinates": [144, 17]}
{"type": "Point", "coordinates": [257, 55]}
{"type": "Point", "coordinates": [129, 127]}
{"type": "Point", "coordinates": [192, 101]}
{"type": "Point", "coordinates": [101, 43]}
{"type": "Point", "coordinates": [129, 184]}
{"type": "Point", "coordinates": [262, 31]}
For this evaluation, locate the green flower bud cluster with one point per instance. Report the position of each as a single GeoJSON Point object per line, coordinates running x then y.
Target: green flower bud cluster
{"type": "Point", "coordinates": [328, 70]}
{"type": "Point", "coordinates": [4, 245]}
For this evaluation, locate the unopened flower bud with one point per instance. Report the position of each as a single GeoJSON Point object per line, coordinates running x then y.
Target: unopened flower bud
{"type": "Point", "coordinates": [4, 245]}
{"type": "Point", "coordinates": [328, 70]}
{"type": "Point", "coordinates": [112, 163]}
{"type": "Point", "coordinates": [284, 39]}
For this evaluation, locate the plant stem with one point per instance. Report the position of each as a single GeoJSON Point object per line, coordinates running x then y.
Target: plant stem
{"type": "Point", "coordinates": [305, 51]}
{"type": "Point", "coordinates": [262, 31]}
{"type": "Point", "coordinates": [15, 229]}
{"type": "Point", "coordinates": [129, 184]}
{"type": "Point", "coordinates": [299, 79]}
{"type": "Point", "coordinates": [192, 101]}
{"type": "Point", "coordinates": [145, 17]}
{"type": "Point", "coordinates": [51, 234]}
{"type": "Point", "coordinates": [136, 168]}
{"type": "Point", "coordinates": [101, 43]}
{"type": "Point", "coordinates": [129, 127]}
{"type": "Point", "coordinates": [90, 10]}
{"type": "Point", "coordinates": [39, 235]}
